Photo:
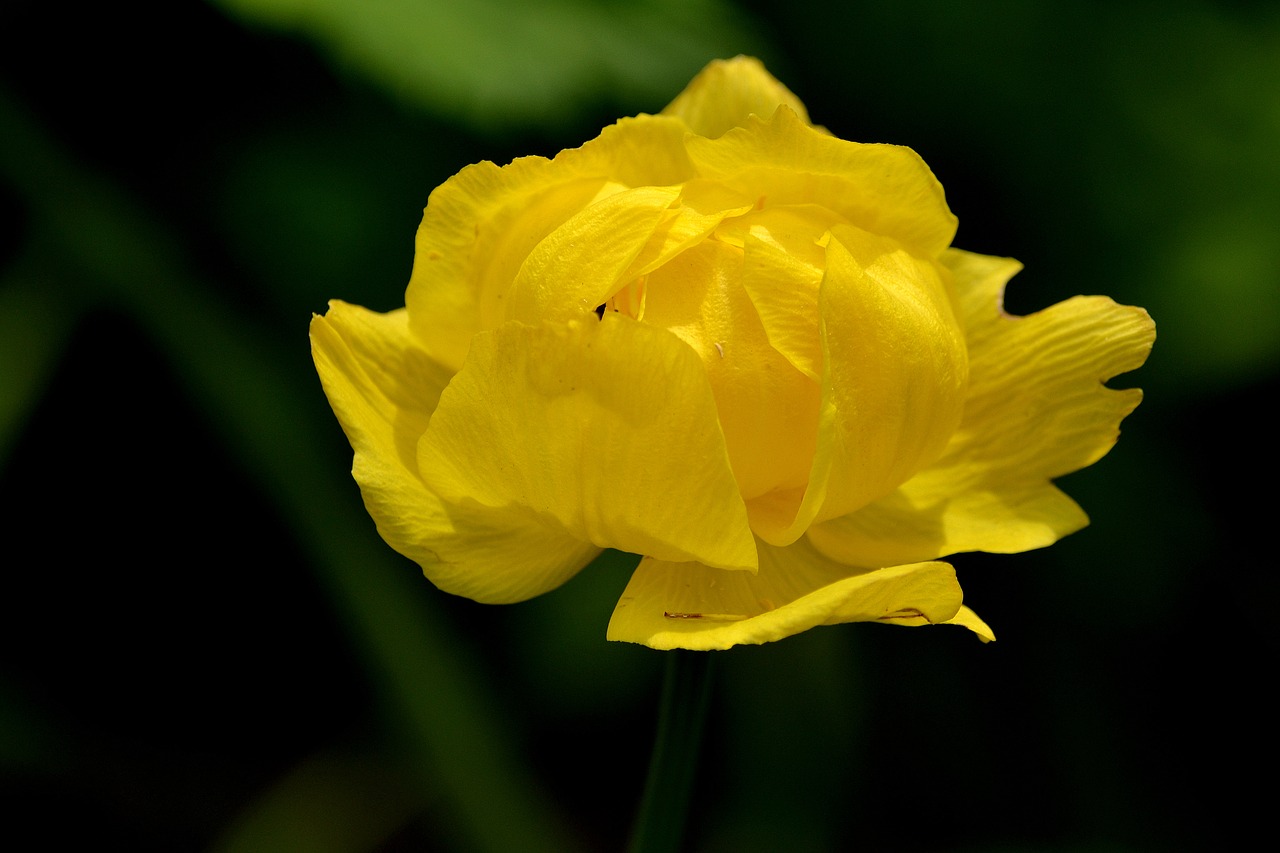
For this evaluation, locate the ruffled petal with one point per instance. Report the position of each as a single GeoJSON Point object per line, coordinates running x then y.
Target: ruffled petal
{"type": "Point", "coordinates": [586, 426]}
{"type": "Point", "coordinates": [1036, 409]}
{"type": "Point", "coordinates": [729, 91]}
{"type": "Point", "coordinates": [883, 189]}
{"type": "Point", "coordinates": [690, 606]}
{"type": "Point", "coordinates": [481, 224]}
{"type": "Point", "coordinates": [383, 387]}
{"type": "Point", "coordinates": [894, 378]}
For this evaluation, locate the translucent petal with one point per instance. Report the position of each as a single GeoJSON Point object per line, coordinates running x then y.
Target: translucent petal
{"type": "Point", "coordinates": [587, 426]}
{"type": "Point", "coordinates": [383, 388]}
{"type": "Point", "coordinates": [894, 377]}
{"type": "Point", "coordinates": [481, 224]}
{"type": "Point", "coordinates": [884, 189]}
{"type": "Point", "coordinates": [727, 92]}
{"type": "Point", "coordinates": [1036, 409]}
{"type": "Point", "coordinates": [690, 606]}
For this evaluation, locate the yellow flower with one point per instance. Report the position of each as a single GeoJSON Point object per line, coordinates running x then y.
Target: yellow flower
{"type": "Point", "coordinates": [729, 342]}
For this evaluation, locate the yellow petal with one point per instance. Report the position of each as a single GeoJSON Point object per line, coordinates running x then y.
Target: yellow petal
{"type": "Point", "coordinates": [620, 237]}
{"type": "Point", "coordinates": [783, 265]}
{"type": "Point", "coordinates": [883, 189]}
{"type": "Point", "coordinates": [1036, 409]}
{"type": "Point", "coordinates": [894, 377]}
{"type": "Point", "coordinates": [966, 618]}
{"type": "Point", "coordinates": [703, 206]}
{"type": "Point", "coordinates": [690, 606]}
{"type": "Point", "coordinates": [383, 388]}
{"type": "Point", "coordinates": [586, 426]}
{"type": "Point", "coordinates": [481, 224]}
{"type": "Point", "coordinates": [767, 409]}
{"type": "Point", "coordinates": [727, 92]}
{"type": "Point", "coordinates": [582, 263]}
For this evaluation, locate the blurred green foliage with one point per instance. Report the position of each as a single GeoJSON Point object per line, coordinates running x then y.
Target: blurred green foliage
{"type": "Point", "coordinates": [205, 644]}
{"type": "Point", "coordinates": [500, 63]}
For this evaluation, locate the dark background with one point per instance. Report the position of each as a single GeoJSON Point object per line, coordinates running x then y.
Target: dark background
{"type": "Point", "coordinates": [203, 642]}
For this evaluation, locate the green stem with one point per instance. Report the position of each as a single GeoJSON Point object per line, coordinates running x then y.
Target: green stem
{"type": "Point", "coordinates": [686, 691]}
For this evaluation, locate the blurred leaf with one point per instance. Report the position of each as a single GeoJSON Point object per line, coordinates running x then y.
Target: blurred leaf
{"type": "Point", "coordinates": [511, 62]}
{"type": "Point", "coordinates": [1202, 95]}
{"type": "Point", "coordinates": [34, 324]}
{"type": "Point", "coordinates": [311, 222]}
{"type": "Point", "coordinates": [253, 389]}
{"type": "Point", "coordinates": [326, 203]}
{"type": "Point", "coordinates": [1111, 148]}
{"type": "Point", "coordinates": [1222, 309]}
{"type": "Point", "coordinates": [328, 804]}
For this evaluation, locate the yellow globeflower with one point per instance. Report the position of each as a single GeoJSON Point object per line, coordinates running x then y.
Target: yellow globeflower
{"type": "Point", "coordinates": [729, 342]}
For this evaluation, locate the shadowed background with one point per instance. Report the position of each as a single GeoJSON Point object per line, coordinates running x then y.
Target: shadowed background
{"type": "Point", "coordinates": [205, 646]}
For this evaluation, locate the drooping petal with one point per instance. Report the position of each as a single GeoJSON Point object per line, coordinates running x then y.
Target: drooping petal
{"type": "Point", "coordinates": [383, 387]}
{"type": "Point", "coordinates": [894, 378]}
{"type": "Point", "coordinates": [767, 409]}
{"type": "Point", "coordinates": [966, 618]}
{"type": "Point", "coordinates": [586, 425]}
{"type": "Point", "coordinates": [690, 606]}
{"type": "Point", "coordinates": [1036, 409]}
{"type": "Point", "coordinates": [727, 92]}
{"type": "Point", "coordinates": [481, 224]}
{"type": "Point", "coordinates": [883, 189]}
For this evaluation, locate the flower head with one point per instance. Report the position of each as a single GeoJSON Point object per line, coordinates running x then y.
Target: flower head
{"type": "Point", "coordinates": [729, 342]}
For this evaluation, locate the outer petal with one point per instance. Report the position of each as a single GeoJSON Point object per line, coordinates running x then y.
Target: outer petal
{"type": "Point", "coordinates": [883, 189]}
{"type": "Point", "coordinates": [1037, 409]}
{"type": "Point", "coordinates": [586, 426]}
{"type": "Point", "coordinates": [481, 224]}
{"type": "Point", "coordinates": [966, 618]}
{"type": "Point", "coordinates": [384, 388]}
{"type": "Point", "coordinates": [894, 377]}
{"type": "Point", "coordinates": [690, 606]}
{"type": "Point", "coordinates": [727, 92]}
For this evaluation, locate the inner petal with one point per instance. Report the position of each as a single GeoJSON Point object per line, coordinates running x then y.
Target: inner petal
{"type": "Point", "coordinates": [785, 258]}
{"type": "Point", "coordinates": [768, 409]}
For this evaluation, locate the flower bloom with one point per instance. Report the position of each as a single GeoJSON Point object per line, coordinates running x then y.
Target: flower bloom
{"type": "Point", "coordinates": [727, 341]}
